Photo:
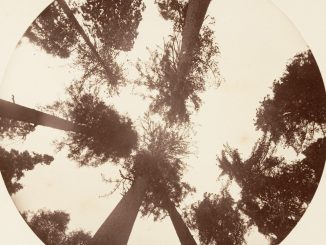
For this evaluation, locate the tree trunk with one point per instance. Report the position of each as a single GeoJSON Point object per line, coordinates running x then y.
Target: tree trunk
{"type": "Point", "coordinates": [88, 42]}
{"type": "Point", "coordinates": [117, 227]}
{"type": "Point", "coordinates": [28, 115]}
{"type": "Point", "coordinates": [194, 20]}
{"type": "Point", "coordinates": [180, 227]}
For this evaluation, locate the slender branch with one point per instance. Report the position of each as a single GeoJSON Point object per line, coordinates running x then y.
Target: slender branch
{"type": "Point", "coordinates": [125, 177]}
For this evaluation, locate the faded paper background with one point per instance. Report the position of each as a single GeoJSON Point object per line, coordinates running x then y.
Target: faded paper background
{"type": "Point", "coordinates": [307, 15]}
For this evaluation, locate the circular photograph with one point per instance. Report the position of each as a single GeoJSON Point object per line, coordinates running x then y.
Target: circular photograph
{"type": "Point", "coordinates": [162, 122]}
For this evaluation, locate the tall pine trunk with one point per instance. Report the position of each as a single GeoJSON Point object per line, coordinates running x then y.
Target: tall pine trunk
{"type": "Point", "coordinates": [88, 42]}
{"type": "Point", "coordinates": [117, 227]}
{"type": "Point", "coordinates": [194, 20]}
{"type": "Point", "coordinates": [21, 113]}
{"type": "Point", "coordinates": [190, 35]}
{"type": "Point", "coordinates": [180, 227]}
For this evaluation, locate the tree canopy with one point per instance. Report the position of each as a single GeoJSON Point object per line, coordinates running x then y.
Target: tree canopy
{"type": "Point", "coordinates": [13, 165]}
{"type": "Point", "coordinates": [217, 220]}
{"type": "Point", "coordinates": [174, 10]}
{"type": "Point", "coordinates": [95, 31]}
{"type": "Point", "coordinates": [274, 193]}
{"type": "Point", "coordinates": [296, 113]}
{"type": "Point", "coordinates": [111, 25]}
{"type": "Point", "coordinates": [53, 32]}
{"type": "Point", "coordinates": [108, 135]}
{"type": "Point", "coordinates": [175, 95]}
{"type": "Point", "coordinates": [11, 129]}
{"type": "Point", "coordinates": [160, 159]}
{"type": "Point", "coordinates": [51, 227]}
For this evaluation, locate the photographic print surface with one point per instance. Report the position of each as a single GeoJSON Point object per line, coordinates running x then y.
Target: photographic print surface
{"type": "Point", "coordinates": [162, 122]}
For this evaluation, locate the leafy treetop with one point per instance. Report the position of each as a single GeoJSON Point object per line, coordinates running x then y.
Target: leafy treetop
{"type": "Point", "coordinates": [274, 193]}
{"type": "Point", "coordinates": [217, 220]}
{"type": "Point", "coordinates": [111, 24]}
{"type": "Point", "coordinates": [53, 32]}
{"type": "Point", "coordinates": [296, 114]}
{"type": "Point", "coordinates": [13, 165]}
{"type": "Point", "coordinates": [95, 31]}
{"type": "Point", "coordinates": [173, 96]}
{"type": "Point", "coordinates": [160, 160]}
{"type": "Point", "coordinates": [51, 227]}
{"type": "Point", "coordinates": [10, 128]}
{"type": "Point", "coordinates": [174, 10]}
{"type": "Point", "coordinates": [108, 135]}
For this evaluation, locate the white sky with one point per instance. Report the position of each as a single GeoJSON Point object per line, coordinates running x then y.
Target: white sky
{"type": "Point", "coordinates": [255, 42]}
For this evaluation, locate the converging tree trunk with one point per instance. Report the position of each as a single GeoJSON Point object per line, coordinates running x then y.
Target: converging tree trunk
{"type": "Point", "coordinates": [183, 89]}
{"type": "Point", "coordinates": [21, 113]}
{"type": "Point", "coordinates": [194, 20]}
{"type": "Point", "coordinates": [88, 42]}
{"type": "Point", "coordinates": [117, 227]}
{"type": "Point", "coordinates": [180, 227]}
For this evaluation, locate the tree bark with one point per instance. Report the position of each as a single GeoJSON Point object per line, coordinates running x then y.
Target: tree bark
{"type": "Point", "coordinates": [194, 20]}
{"type": "Point", "coordinates": [28, 115]}
{"type": "Point", "coordinates": [88, 42]}
{"type": "Point", "coordinates": [117, 227]}
{"type": "Point", "coordinates": [180, 227]}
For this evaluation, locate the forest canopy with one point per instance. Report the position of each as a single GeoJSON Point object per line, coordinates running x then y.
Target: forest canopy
{"type": "Point", "coordinates": [151, 127]}
{"type": "Point", "coordinates": [296, 112]}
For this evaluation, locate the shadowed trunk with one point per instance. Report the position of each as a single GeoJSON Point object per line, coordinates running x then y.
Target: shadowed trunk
{"type": "Point", "coordinates": [194, 20]}
{"type": "Point", "coordinates": [21, 113]}
{"type": "Point", "coordinates": [117, 227]}
{"type": "Point", "coordinates": [180, 227]}
{"type": "Point", "coordinates": [81, 31]}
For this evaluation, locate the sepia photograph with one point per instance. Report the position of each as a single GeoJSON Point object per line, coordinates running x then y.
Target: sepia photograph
{"type": "Point", "coordinates": [161, 122]}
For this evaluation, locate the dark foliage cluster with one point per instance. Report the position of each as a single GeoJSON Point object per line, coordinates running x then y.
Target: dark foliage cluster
{"type": "Point", "coordinates": [296, 113]}
{"type": "Point", "coordinates": [110, 27]}
{"type": "Point", "coordinates": [174, 10]}
{"type": "Point", "coordinates": [53, 32]}
{"type": "Point", "coordinates": [51, 227]}
{"type": "Point", "coordinates": [164, 183]}
{"type": "Point", "coordinates": [160, 162]}
{"type": "Point", "coordinates": [13, 165]}
{"type": "Point", "coordinates": [94, 75]}
{"type": "Point", "coordinates": [11, 129]}
{"type": "Point", "coordinates": [113, 22]}
{"type": "Point", "coordinates": [217, 220]}
{"type": "Point", "coordinates": [275, 194]}
{"type": "Point", "coordinates": [107, 135]}
{"type": "Point", "coordinates": [172, 97]}
{"type": "Point", "coordinates": [78, 237]}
